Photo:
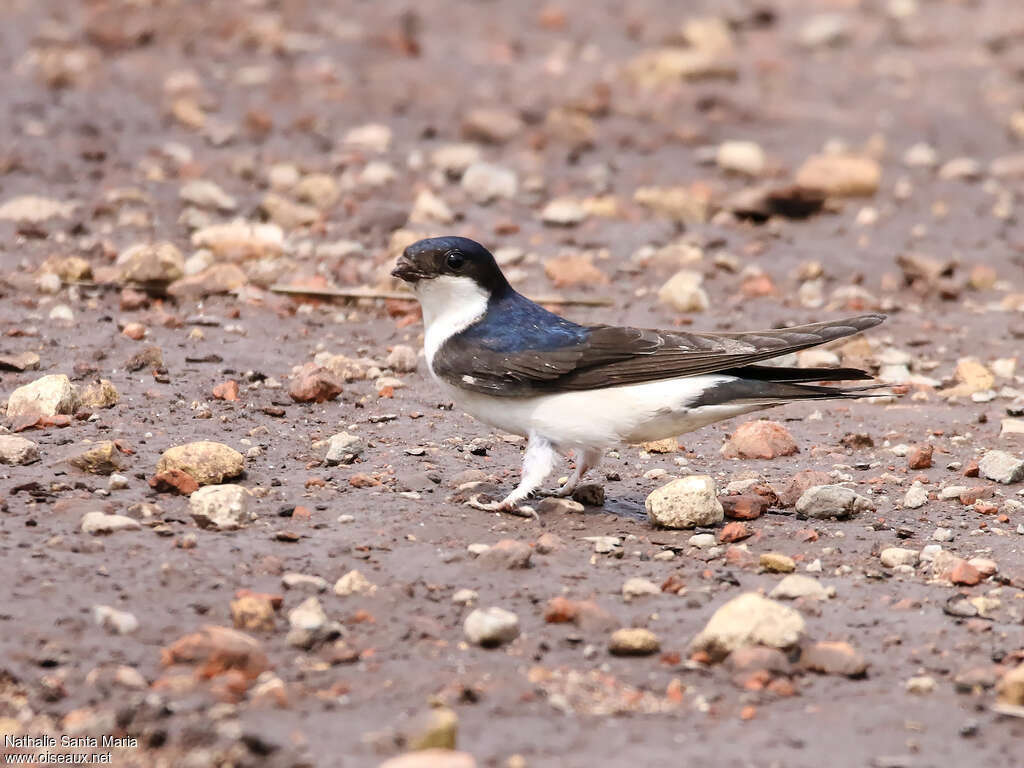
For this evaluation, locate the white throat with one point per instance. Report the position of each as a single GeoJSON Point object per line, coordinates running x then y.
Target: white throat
{"type": "Point", "coordinates": [450, 304]}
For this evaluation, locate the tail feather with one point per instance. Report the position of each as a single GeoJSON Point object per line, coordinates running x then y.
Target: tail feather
{"type": "Point", "coordinates": [797, 375]}
{"type": "Point", "coordinates": [769, 393]}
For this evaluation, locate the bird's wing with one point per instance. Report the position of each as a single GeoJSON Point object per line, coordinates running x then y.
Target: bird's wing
{"type": "Point", "coordinates": [608, 356]}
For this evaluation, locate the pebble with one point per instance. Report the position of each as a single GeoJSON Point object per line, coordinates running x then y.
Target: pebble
{"type": "Point", "coordinates": [774, 562]}
{"type": "Point", "coordinates": [62, 313]}
{"type": "Point", "coordinates": [749, 619]}
{"type": "Point", "coordinates": [823, 30]}
{"type": "Point", "coordinates": [840, 175]}
{"type": "Point", "coordinates": [240, 239]}
{"type": "Point", "coordinates": [99, 522]}
{"type": "Point", "coordinates": [402, 359]}
{"type": "Point", "coordinates": [492, 125]}
{"type": "Point", "coordinates": [920, 685]}
{"type": "Point", "coordinates": [114, 621]}
{"type": "Point", "coordinates": [205, 461]}
{"type": "Point", "coordinates": [824, 501]}
{"type": "Point", "coordinates": [308, 623]}
{"type": "Point", "coordinates": [354, 583]}
{"type": "Point", "coordinates": [17, 450]}
{"type": "Point", "coordinates": [343, 448]}
{"type": "Point", "coordinates": [1002, 467]}
{"type": "Point", "coordinates": [465, 596]}
{"type": "Point", "coordinates": [702, 540]}
{"type": "Point", "coordinates": [435, 728]}
{"type": "Point", "coordinates": [686, 502]}
{"type": "Point", "coordinates": [834, 658]}
{"type": "Point", "coordinates": [454, 159]}
{"type": "Point", "coordinates": [151, 264]}
{"type": "Point", "coordinates": [486, 182]}
{"type": "Point", "coordinates": [796, 586]}
{"type": "Point", "coordinates": [563, 212]}
{"type": "Point", "coordinates": [633, 641]}
{"type": "Point", "coordinates": [304, 582]}
{"type": "Point", "coordinates": [916, 496]}
{"type": "Point", "coordinates": [314, 384]}
{"type": "Point", "coordinates": [984, 565]}
{"type": "Point", "coordinates": [1010, 690]}
{"type": "Point", "coordinates": [921, 155]}
{"type": "Point", "coordinates": [223, 507]}
{"type": "Point", "coordinates": [943, 534]}
{"type": "Point", "coordinates": [491, 627]}
{"type": "Point", "coordinates": [638, 587]}
{"type": "Point", "coordinates": [553, 505]}
{"type": "Point", "coordinates": [894, 556]}
{"type": "Point", "coordinates": [507, 554]}
{"type": "Point", "coordinates": [254, 612]}
{"type": "Point", "coordinates": [46, 396]}
{"type": "Point", "coordinates": [35, 209]}
{"type": "Point", "coordinates": [372, 137]}
{"type": "Point", "coordinates": [206, 194]}
{"type": "Point", "coordinates": [286, 213]}
{"type": "Point", "coordinates": [319, 190]}
{"type": "Point", "coordinates": [219, 648]}
{"type": "Point", "coordinates": [683, 292]}
{"type": "Point", "coordinates": [101, 458]}
{"type": "Point", "coordinates": [760, 439]}
{"type": "Point", "coordinates": [745, 157]}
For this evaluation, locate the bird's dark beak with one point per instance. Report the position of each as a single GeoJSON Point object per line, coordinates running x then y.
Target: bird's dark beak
{"type": "Point", "coordinates": [406, 270]}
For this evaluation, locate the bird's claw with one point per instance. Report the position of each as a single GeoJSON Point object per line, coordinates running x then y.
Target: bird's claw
{"type": "Point", "coordinates": [502, 506]}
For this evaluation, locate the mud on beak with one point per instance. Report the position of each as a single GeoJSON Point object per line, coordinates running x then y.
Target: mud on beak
{"type": "Point", "coordinates": [406, 270]}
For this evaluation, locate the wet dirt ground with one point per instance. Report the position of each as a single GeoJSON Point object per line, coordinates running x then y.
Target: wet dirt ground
{"type": "Point", "coordinates": [116, 105]}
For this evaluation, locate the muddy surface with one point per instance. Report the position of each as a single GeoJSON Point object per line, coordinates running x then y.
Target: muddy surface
{"type": "Point", "coordinates": [115, 106]}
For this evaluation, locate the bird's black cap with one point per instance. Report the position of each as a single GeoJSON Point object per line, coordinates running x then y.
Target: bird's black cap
{"type": "Point", "coordinates": [450, 256]}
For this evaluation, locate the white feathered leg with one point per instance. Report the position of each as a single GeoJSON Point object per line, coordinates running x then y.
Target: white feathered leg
{"type": "Point", "coordinates": [586, 461]}
{"type": "Point", "coordinates": [538, 462]}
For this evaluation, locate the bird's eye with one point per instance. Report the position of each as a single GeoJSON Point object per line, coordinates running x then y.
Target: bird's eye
{"type": "Point", "coordinates": [455, 260]}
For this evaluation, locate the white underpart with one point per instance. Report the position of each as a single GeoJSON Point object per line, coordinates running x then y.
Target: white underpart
{"type": "Point", "coordinates": [587, 422]}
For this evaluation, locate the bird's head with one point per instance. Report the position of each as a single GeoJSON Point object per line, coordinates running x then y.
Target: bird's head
{"type": "Point", "coordinates": [449, 261]}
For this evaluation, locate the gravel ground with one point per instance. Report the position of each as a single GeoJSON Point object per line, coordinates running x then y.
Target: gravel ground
{"type": "Point", "coordinates": [164, 163]}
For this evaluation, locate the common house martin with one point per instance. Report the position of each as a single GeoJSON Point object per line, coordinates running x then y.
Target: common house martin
{"type": "Point", "coordinates": [567, 387]}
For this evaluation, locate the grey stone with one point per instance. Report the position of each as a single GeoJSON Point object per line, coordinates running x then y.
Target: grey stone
{"type": "Point", "coordinates": [824, 501]}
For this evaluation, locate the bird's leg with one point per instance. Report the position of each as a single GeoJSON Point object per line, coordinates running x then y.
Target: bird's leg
{"type": "Point", "coordinates": [538, 462]}
{"type": "Point", "coordinates": [587, 460]}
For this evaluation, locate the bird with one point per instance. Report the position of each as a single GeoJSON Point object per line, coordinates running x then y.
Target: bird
{"type": "Point", "coordinates": [525, 370]}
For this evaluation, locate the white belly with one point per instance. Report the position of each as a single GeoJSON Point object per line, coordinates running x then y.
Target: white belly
{"type": "Point", "coordinates": [602, 418]}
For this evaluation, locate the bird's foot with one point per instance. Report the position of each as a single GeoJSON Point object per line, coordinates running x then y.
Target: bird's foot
{"type": "Point", "coordinates": [507, 505]}
{"type": "Point", "coordinates": [566, 490]}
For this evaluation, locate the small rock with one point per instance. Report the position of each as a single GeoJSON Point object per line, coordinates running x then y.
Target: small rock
{"type": "Point", "coordinates": [702, 540]}
{"type": "Point", "coordinates": [217, 650]}
{"type": "Point", "coordinates": [343, 448]}
{"type": "Point", "coordinates": [433, 729]}
{"type": "Point", "coordinates": [824, 501]}
{"type": "Point", "coordinates": [1000, 466]}
{"type": "Point", "coordinates": [47, 396]}
{"type": "Point", "coordinates": [309, 624]}
{"type": "Point", "coordinates": [964, 573]}
{"type": "Point", "coordinates": [318, 189]}
{"type": "Point", "coordinates": [314, 384]}
{"type": "Point", "coordinates": [795, 586]}
{"type": "Point", "coordinates": [507, 554]}
{"type": "Point", "coordinates": [733, 532]}
{"type": "Point", "coordinates": [402, 359]}
{"type": "Point", "coordinates": [287, 214]}
{"type": "Point", "coordinates": [114, 621]}
{"type": "Point", "coordinates": [789, 493]}
{"type": "Point", "coordinates": [685, 503]}
{"type": "Point", "coordinates": [101, 394]}
{"type": "Point", "coordinates": [151, 265]}
{"type": "Point", "coordinates": [916, 496]}
{"type": "Point", "coordinates": [894, 556]}
{"type": "Point", "coordinates": [372, 137]}
{"type": "Point", "coordinates": [223, 507]}
{"type": "Point", "coordinates": [304, 582]}
{"type": "Point", "coordinates": [574, 269]}
{"type": "Point", "coordinates": [240, 240]}
{"type": "Point", "coordinates": [206, 461]}
{"type": "Point", "coordinates": [491, 627]}
{"type": "Point", "coordinates": [920, 685]}
{"type": "Point", "coordinates": [254, 612]}
{"type": "Point", "coordinates": [1010, 690]}
{"type": "Point", "coordinates": [637, 587]}
{"type": "Point", "coordinates": [760, 440]}
{"type": "Point", "coordinates": [553, 505]}
{"type": "Point", "coordinates": [749, 619]}
{"type": "Point", "coordinates": [745, 506]}
{"type": "Point", "coordinates": [824, 29]}
{"type": "Point", "coordinates": [683, 292]}
{"type": "Point", "coordinates": [485, 182]}
{"type": "Point", "coordinates": [563, 212]}
{"type": "Point", "coordinates": [589, 494]}
{"type": "Point", "coordinates": [354, 583]}
{"type": "Point", "coordinates": [101, 458]}
{"type": "Point", "coordinates": [98, 522]}
{"type": "Point", "coordinates": [633, 641]}
{"type": "Point", "coordinates": [775, 562]}
{"type": "Point", "coordinates": [834, 658]}
{"type": "Point", "coordinates": [745, 157]}
{"type": "Point", "coordinates": [206, 194]}
{"type": "Point", "coordinates": [465, 597]}
{"type": "Point", "coordinates": [17, 450]}
{"type": "Point", "coordinates": [34, 209]}
{"type": "Point", "coordinates": [493, 125]}
{"type": "Point", "coordinates": [985, 566]}
{"type": "Point", "coordinates": [920, 457]}
{"type": "Point", "coordinates": [454, 159]}
{"type": "Point", "coordinates": [840, 175]}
